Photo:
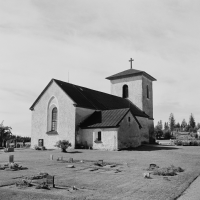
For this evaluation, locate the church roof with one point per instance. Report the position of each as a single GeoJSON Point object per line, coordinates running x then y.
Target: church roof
{"type": "Point", "coordinates": [92, 99]}
{"type": "Point", "coordinates": [105, 118]}
{"type": "Point", "coordinates": [130, 73]}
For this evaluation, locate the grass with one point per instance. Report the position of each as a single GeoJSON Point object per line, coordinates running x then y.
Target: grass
{"type": "Point", "coordinates": [124, 180]}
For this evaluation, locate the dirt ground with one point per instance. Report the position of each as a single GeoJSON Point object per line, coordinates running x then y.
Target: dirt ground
{"type": "Point", "coordinates": [120, 178]}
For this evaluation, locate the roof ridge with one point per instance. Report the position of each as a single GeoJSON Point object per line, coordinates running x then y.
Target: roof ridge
{"type": "Point", "coordinates": [89, 89]}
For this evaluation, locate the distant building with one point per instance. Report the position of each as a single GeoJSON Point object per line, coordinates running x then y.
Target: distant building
{"type": "Point", "coordinates": [89, 118]}
{"type": "Point", "coordinates": [198, 133]}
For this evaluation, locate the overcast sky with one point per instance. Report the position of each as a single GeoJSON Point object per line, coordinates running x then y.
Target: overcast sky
{"type": "Point", "coordinates": [90, 40]}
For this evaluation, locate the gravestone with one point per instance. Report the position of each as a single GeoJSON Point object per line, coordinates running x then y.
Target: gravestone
{"type": "Point", "coordinates": [51, 157]}
{"type": "Point", "coordinates": [60, 158]}
{"type": "Point", "coordinates": [100, 162]}
{"type": "Point", "coordinates": [50, 181]}
{"type": "Point", "coordinates": [11, 158]}
{"type": "Point", "coordinates": [71, 160]}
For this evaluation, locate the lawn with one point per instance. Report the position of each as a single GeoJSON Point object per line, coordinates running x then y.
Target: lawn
{"type": "Point", "coordinates": [124, 180]}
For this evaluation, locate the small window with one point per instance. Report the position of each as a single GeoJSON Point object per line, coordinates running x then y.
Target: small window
{"type": "Point", "coordinates": [54, 119]}
{"type": "Point", "coordinates": [125, 91]}
{"type": "Point", "coordinates": [99, 136]}
{"type": "Point", "coordinates": [147, 92]}
{"type": "Point", "coordinates": [129, 119]}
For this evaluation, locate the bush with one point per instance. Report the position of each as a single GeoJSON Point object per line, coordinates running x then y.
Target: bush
{"type": "Point", "coordinates": [178, 142]}
{"type": "Point", "coordinates": [195, 143]}
{"type": "Point", "coordinates": [43, 148]}
{"type": "Point", "coordinates": [186, 143]}
{"type": "Point", "coordinates": [167, 134]}
{"type": "Point", "coordinates": [63, 144]}
{"type": "Point", "coordinates": [36, 147]}
{"type": "Point", "coordinates": [167, 171]}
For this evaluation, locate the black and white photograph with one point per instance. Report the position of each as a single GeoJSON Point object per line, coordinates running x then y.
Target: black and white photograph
{"type": "Point", "coordinates": [99, 100]}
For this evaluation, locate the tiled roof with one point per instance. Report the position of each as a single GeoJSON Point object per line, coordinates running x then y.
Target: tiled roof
{"type": "Point", "coordinates": [129, 73]}
{"type": "Point", "coordinates": [105, 118]}
{"type": "Point", "coordinates": [88, 98]}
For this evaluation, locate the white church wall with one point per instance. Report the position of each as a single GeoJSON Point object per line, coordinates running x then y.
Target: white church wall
{"type": "Point", "coordinates": [66, 118]}
{"type": "Point", "coordinates": [129, 134]}
{"type": "Point", "coordinates": [134, 87]}
{"type": "Point", "coordinates": [108, 138]}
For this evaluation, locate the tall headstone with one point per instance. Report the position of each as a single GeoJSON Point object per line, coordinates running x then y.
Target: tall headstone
{"type": "Point", "coordinates": [11, 158]}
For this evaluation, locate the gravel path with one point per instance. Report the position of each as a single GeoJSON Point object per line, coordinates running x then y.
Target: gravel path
{"type": "Point", "coordinates": [193, 192]}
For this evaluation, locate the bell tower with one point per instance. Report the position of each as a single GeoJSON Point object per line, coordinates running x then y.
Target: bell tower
{"type": "Point", "coordinates": [135, 85]}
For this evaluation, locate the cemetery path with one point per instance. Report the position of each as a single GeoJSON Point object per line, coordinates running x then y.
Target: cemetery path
{"type": "Point", "coordinates": [193, 192]}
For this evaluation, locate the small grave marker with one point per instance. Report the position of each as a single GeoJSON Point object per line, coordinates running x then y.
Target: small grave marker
{"type": "Point", "coordinates": [71, 160]}
{"type": "Point", "coordinates": [51, 157]}
{"type": "Point", "coordinates": [100, 162]}
{"type": "Point", "coordinates": [50, 180]}
{"type": "Point", "coordinates": [70, 166]}
{"type": "Point", "coordinates": [11, 158]}
{"type": "Point", "coordinates": [60, 158]}
{"type": "Point", "coordinates": [146, 175]}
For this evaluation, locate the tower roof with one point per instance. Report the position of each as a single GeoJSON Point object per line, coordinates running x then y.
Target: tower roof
{"type": "Point", "coordinates": [130, 73]}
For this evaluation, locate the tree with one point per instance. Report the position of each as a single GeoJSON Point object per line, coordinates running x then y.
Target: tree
{"type": "Point", "coordinates": [159, 125]}
{"type": "Point", "coordinates": [5, 133]}
{"type": "Point", "coordinates": [177, 127]}
{"type": "Point", "coordinates": [158, 130]}
{"type": "Point", "coordinates": [183, 125]}
{"type": "Point", "coordinates": [192, 121]}
{"type": "Point", "coordinates": [198, 126]}
{"type": "Point", "coordinates": [171, 122]}
{"type": "Point", "coordinates": [166, 126]}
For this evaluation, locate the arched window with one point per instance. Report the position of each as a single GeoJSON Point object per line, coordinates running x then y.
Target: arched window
{"type": "Point", "coordinates": [147, 91]}
{"type": "Point", "coordinates": [54, 119]}
{"type": "Point", "coordinates": [125, 91]}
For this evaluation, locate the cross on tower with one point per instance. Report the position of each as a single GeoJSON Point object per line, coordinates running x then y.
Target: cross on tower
{"type": "Point", "coordinates": [131, 60]}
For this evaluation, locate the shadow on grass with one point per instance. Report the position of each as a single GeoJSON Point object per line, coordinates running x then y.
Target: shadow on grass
{"type": "Point", "coordinates": [73, 152]}
{"type": "Point", "coordinates": [151, 148]}
{"type": "Point", "coordinates": [50, 149]}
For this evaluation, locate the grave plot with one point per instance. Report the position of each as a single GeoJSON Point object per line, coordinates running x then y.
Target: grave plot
{"type": "Point", "coordinates": [163, 171]}
{"type": "Point", "coordinates": [11, 165]}
{"type": "Point", "coordinates": [95, 166]}
{"type": "Point", "coordinates": [44, 182]}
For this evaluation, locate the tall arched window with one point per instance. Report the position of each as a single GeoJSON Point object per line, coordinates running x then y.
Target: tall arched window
{"type": "Point", "coordinates": [125, 91]}
{"type": "Point", "coordinates": [54, 119]}
{"type": "Point", "coordinates": [147, 92]}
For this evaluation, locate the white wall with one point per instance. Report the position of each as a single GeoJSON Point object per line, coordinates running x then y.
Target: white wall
{"type": "Point", "coordinates": [108, 138]}
{"type": "Point", "coordinates": [66, 118]}
{"type": "Point", "coordinates": [134, 88]}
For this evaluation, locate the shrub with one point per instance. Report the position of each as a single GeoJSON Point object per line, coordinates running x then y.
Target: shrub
{"type": "Point", "coordinates": [178, 142]}
{"type": "Point", "coordinates": [43, 148]}
{"type": "Point", "coordinates": [186, 143]}
{"type": "Point", "coordinates": [63, 144]}
{"type": "Point", "coordinates": [36, 147]}
{"type": "Point", "coordinates": [167, 171]}
{"type": "Point", "coordinates": [167, 134]}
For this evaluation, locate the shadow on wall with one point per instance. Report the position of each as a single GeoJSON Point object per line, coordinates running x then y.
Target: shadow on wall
{"type": "Point", "coordinates": [150, 148]}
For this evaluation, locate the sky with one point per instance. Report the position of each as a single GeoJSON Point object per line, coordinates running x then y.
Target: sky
{"type": "Point", "coordinates": [87, 41]}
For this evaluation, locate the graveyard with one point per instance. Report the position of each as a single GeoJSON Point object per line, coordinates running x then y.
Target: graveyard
{"type": "Point", "coordinates": [95, 174]}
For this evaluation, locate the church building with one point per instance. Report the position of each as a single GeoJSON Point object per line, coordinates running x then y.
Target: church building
{"type": "Point", "coordinates": [92, 119]}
